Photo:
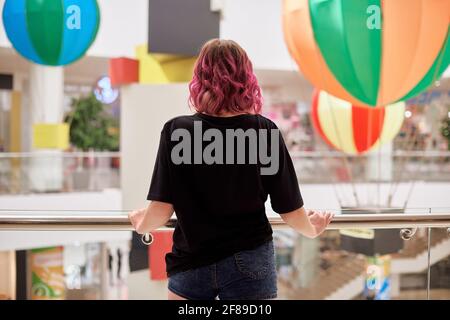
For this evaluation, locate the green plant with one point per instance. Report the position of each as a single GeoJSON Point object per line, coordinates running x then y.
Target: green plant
{"type": "Point", "coordinates": [91, 127]}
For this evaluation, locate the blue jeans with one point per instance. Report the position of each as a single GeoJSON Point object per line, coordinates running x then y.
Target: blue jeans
{"type": "Point", "coordinates": [246, 275]}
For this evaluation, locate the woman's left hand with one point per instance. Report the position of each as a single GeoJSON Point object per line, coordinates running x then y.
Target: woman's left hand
{"type": "Point", "coordinates": [320, 220]}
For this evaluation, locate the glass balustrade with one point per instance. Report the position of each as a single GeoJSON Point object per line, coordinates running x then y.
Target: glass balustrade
{"type": "Point", "coordinates": [58, 172]}
{"type": "Point", "coordinates": [439, 267]}
{"type": "Point", "coordinates": [381, 256]}
{"type": "Point", "coordinates": [25, 173]}
{"type": "Point", "coordinates": [394, 167]}
{"type": "Point", "coordinates": [372, 264]}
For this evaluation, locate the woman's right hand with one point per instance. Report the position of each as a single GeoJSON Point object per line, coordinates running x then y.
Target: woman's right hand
{"type": "Point", "coordinates": [136, 217]}
{"type": "Point", "coordinates": [151, 218]}
{"type": "Point", "coordinates": [320, 220]}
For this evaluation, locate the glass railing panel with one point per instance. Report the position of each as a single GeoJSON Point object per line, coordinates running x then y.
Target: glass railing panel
{"type": "Point", "coordinates": [354, 262]}
{"type": "Point", "coordinates": [55, 172]}
{"type": "Point", "coordinates": [348, 264]}
{"type": "Point", "coordinates": [317, 167]}
{"type": "Point", "coordinates": [440, 260]}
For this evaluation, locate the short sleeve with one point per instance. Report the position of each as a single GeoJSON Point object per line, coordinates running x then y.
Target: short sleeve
{"type": "Point", "coordinates": [160, 187]}
{"type": "Point", "coordinates": [283, 186]}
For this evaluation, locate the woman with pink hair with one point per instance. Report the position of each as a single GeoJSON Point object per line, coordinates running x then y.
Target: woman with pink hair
{"type": "Point", "coordinates": [216, 169]}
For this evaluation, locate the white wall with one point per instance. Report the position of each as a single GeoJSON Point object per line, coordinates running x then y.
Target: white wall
{"type": "Point", "coordinates": [107, 201]}
{"type": "Point", "coordinates": [3, 39]}
{"type": "Point", "coordinates": [256, 25]}
{"type": "Point", "coordinates": [124, 25]}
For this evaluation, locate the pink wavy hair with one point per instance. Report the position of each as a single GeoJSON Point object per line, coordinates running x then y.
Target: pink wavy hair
{"type": "Point", "coordinates": [224, 81]}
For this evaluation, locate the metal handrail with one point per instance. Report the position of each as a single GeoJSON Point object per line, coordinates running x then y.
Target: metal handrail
{"type": "Point", "coordinates": [13, 221]}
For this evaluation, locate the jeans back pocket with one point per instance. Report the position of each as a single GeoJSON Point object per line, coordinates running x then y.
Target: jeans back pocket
{"type": "Point", "coordinates": [256, 263]}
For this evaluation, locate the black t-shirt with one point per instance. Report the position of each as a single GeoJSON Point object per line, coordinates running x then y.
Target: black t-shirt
{"type": "Point", "coordinates": [220, 204]}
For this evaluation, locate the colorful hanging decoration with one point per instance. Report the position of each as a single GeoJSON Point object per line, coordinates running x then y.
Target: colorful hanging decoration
{"type": "Point", "coordinates": [354, 129]}
{"type": "Point", "coordinates": [50, 32]}
{"type": "Point", "coordinates": [369, 52]}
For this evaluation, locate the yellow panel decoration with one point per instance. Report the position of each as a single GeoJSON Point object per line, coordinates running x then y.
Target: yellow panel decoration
{"type": "Point", "coordinates": [163, 68]}
{"type": "Point", "coordinates": [51, 136]}
{"type": "Point", "coordinates": [15, 120]}
{"type": "Point", "coordinates": [358, 233]}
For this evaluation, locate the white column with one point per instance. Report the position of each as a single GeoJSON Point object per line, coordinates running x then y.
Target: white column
{"type": "Point", "coordinates": [306, 259]}
{"type": "Point", "coordinates": [46, 99]}
{"type": "Point", "coordinates": [141, 125]}
{"type": "Point", "coordinates": [46, 93]}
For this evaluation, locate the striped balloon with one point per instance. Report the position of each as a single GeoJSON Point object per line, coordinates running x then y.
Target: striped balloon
{"type": "Point", "coordinates": [51, 32]}
{"type": "Point", "coordinates": [369, 52]}
{"type": "Point", "coordinates": [354, 129]}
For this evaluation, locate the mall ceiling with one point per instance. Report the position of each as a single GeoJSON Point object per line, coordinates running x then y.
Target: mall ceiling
{"type": "Point", "coordinates": [82, 71]}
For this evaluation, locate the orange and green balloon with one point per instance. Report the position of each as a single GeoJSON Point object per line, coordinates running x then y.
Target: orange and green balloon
{"type": "Point", "coordinates": [369, 52]}
{"type": "Point", "coordinates": [51, 32]}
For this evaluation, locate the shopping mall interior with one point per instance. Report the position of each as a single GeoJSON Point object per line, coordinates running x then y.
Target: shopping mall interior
{"type": "Point", "coordinates": [364, 111]}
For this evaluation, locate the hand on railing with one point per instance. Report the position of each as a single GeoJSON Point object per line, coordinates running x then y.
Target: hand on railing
{"type": "Point", "coordinates": [320, 220]}
{"type": "Point", "coordinates": [136, 218]}
{"type": "Point", "coordinates": [146, 220]}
